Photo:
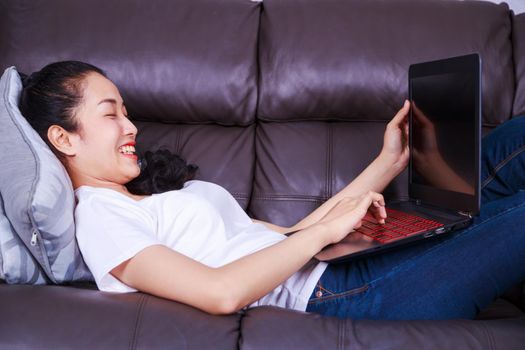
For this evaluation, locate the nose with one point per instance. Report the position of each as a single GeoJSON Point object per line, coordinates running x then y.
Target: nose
{"type": "Point", "coordinates": [128, 127]}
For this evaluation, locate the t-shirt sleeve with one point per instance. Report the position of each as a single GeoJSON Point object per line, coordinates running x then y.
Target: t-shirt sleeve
{"type": "Point", "coordinates": [110, 231]}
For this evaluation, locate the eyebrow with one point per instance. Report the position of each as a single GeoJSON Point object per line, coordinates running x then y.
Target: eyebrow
{"type": "Point", "coordinates": [108, 100]}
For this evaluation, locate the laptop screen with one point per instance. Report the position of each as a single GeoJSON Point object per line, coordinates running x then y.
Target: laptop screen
{"type": "Point", "coordinates": [445, 132]}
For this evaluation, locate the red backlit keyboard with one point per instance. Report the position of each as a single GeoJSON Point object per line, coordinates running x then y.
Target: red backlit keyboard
{"type": "Point", "coordinates": [397, 224]}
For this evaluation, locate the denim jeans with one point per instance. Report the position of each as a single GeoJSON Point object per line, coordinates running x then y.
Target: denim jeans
{"type": "Point", "coordinates": [454, 276]}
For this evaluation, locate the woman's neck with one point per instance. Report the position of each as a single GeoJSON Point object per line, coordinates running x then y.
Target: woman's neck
{"type": "Point", "coordinates": [78, 181]}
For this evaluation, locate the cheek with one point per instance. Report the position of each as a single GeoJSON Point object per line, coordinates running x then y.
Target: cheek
{"type": "Point", "coordinates": [103, 135]}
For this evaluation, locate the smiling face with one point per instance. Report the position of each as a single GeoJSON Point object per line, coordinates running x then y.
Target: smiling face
{"type": "Point", "coordinates": [102, 152]}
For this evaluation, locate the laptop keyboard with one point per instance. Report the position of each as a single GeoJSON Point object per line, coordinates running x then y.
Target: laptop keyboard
{"type": "Point", "coordinates": [397, 224]}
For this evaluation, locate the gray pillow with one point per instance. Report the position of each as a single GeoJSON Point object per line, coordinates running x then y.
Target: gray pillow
{"type": "Point", "coordinates": [17, 266]}
{"type": "Point", "coordinates": [37, 192]}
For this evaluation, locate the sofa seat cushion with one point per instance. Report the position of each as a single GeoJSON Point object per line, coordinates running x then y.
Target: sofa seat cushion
{"type": "Point", "coordinates": [320, 332]}
{"type": "Point", "coordinates": [77, 318]}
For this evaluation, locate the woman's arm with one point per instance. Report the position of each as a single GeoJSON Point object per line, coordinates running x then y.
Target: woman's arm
{"type": "Point", "coordinates": [163, 272]}
{"type": "Point", "coordinates": [274, 227]}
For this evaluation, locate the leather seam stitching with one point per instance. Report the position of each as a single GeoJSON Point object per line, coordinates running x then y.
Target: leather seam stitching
{"type": "Point", "coordinates": [488, 335]}
{"type": "Point", "coordinates": [138, 318]}
{"type": "Point", "coordinates": [289, 197]}
{"type": "Point", "coordinates": [342, 334]}
{"type": "Point", "coordinates": [240, 195]}
{"type": "Point", "coordinates": [326, 155]}
{"type": "Point", "coordinates": [330, 156]}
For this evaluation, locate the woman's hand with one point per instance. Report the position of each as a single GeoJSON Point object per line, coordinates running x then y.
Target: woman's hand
{"type": "Point", "coordinates": [395, 141]}
{"type": "Point", "coordinates": [347, 214]}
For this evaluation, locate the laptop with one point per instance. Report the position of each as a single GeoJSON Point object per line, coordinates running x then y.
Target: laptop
{"type": "Point", "coordinates": [444, 164]}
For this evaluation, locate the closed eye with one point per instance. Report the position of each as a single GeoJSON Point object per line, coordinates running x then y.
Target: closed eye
{"type": "Point", "coordinates": [113, 116]}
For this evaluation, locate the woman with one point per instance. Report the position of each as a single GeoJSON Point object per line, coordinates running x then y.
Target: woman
{"type": "Point", "coordinates": [194, 244]}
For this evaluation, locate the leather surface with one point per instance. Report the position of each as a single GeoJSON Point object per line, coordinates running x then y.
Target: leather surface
{"type": "Point", "coordinates": [330, 75]}
{"type": "Point", "coordinates": [299, 165]}
{"type": "Point", "coordinates": [57, 317]}
{"type": "Point", "coordinates": [518, 40]}
{"type": "Point", "coordinates": [348, 60]}
{"type": "Point", "coordinates": [191, 61]}
{"type": "Point", "coordinates": [225, 154]}
{"type": "Point", "coordinates": [320, 332]}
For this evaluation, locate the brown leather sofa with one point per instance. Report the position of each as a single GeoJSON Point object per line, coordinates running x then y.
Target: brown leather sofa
{"type": "Point", "coordinates": [281, 102]}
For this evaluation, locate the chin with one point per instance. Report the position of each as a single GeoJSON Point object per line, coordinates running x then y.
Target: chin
{"type": "Point", "coordinates": [132, 173]}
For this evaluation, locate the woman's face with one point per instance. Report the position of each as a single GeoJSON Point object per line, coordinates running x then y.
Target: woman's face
{"type": "Point", "coordinates": [104, 147]}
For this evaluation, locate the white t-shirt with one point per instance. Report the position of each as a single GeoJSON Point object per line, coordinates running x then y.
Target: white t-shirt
{"type": "Point", "coordinates": [202, 221]}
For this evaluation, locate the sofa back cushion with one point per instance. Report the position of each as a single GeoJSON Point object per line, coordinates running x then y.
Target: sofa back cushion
{"type": "Point", "coordinates": [333, 73]}
{"type": "Point", "coordinates": [178, 65]}
{"type": "Point", "coordinates": [348, 60]}
{"type": "Point", "coordinates": [36, 190]}
{"type": "Point", "coordinates": [518, 40]}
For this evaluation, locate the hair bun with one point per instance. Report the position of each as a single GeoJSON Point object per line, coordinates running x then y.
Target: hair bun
{"type": "Point", "coordinates": [161, 171]}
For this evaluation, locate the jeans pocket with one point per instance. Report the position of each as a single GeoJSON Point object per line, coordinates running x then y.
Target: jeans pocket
{"type": "Point", "coordinates": [322, 294]}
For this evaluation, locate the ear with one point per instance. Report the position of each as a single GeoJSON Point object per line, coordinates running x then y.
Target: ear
{"type": "Point", "coordinates": [61, 140]}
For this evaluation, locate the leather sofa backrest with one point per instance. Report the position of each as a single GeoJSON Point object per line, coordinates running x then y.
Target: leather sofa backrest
{"type": "Point", "coordinates": [281, 102]}
{"type": "Point", "coordinates": [333, 73]}
{"type": "Point", "coordinates": [186, 69]}
{"type": "Point", "coordinates": [518, 41]}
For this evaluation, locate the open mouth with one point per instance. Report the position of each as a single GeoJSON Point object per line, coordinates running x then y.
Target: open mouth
{"type": "Point", "coordinates": [128, 150]}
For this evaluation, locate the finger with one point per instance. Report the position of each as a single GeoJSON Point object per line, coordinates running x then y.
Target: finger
{"type": "Point", "coordinates": [402, 113]}
{"type": "Point", "coordinates": [377, 197]}
{"type": "Point", "coordinates": [366, 202]}
{"type": "Point", "coordinates": [378, 212]}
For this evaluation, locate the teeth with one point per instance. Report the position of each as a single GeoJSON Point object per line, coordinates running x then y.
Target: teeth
{"type": "Point", "coordinates": [127, 149]}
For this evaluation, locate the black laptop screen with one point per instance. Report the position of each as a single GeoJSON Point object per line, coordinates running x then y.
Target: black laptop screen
{"type": "Point", "coordinates": [443, 131]}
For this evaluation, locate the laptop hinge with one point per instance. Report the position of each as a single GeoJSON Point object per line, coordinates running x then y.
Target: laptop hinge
{"type": "Point", "coordinates": [465, 213]}
{"type": "Point", "coordinates": [462, 213]}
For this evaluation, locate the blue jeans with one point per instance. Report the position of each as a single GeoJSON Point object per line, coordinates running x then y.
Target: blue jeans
{"type": "Point", "coordinates": [454, 276]}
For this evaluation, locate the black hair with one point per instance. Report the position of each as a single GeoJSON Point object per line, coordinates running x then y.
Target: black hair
{"type": "Point", "coordinates": [161, 171]}
{"type": "Point", "coordinates": [51, 95]}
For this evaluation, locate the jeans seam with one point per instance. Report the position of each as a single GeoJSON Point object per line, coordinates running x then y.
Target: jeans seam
{"type": "Point", "coordinates": [494, 171]}
{"type": "Point", "coordinates": [405, 263]}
